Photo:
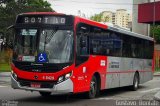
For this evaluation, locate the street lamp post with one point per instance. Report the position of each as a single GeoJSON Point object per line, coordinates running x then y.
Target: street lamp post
{"type": "Point", "coordinates": [154, 12]}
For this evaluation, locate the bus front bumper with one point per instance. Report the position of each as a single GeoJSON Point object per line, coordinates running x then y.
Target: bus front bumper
{"type": "Point", "coordinates": [61, 88]}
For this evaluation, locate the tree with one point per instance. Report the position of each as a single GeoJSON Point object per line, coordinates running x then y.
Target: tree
{"type": "Point", "coordinates": [97, 17]}
{"type": "Point", "coordinates": [156, 31]}
{"type": "Point", "coordinates": [11, 8]}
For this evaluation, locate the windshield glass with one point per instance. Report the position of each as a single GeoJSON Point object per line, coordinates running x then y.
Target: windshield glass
{"type": "Point", "coordinates": [25, 44]}
{"type": "Point", "coordinates": [58, 44]}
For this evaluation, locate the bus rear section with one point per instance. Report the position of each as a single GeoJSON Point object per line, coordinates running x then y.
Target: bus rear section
{"type": "Point", "coordinates": [115, 57]}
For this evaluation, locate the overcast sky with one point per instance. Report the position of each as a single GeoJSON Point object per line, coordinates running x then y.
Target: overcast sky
{"type": "Point", "coordinates": [89, 7]}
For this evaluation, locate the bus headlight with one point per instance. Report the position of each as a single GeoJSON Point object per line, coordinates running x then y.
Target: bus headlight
{"type": "Point", "coordinates": [60, 79]}
{"type": "Point", "coordinates": [14, 75]}
{"type": "Point", "coordinates": [68, 75]}
{"type": "Point", "coordinates": [64, 77]}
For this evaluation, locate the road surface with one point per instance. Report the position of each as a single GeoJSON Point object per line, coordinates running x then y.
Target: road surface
{"type": "Point", "coordinates": [112, 97]}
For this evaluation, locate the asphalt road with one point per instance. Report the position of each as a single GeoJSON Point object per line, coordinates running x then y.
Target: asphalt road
{"type": "Point", "coordinates": [112, 97]}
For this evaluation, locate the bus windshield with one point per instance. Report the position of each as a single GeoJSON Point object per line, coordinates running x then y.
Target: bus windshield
{"type": "Point", "coordinates": [57, 44]}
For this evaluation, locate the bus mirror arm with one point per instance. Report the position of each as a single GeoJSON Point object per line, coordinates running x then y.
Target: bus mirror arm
{"type": "Point", "coordinates": [10, 44]}
{"type": "Point", "coordinates": [10, 27]}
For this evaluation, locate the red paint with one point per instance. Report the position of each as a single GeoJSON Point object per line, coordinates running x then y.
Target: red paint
{"type": "Point", "coordinates": [30, 75]}
{"type": "Point", "coordinates": [156, 60]}
{"type": "Point", "coordinates": [90, 22]}
{"type": "Point", "coordinates": [146, 14]}
{"type": "Point", "coordinates": [83, 85]}
{"type": "Point", "coordinates": [92, 66]}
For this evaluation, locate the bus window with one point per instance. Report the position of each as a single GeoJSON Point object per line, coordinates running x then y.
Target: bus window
{"type": "Point", "coordinates": [106, 43]}
{"type": "Point", "coordinates": [83, 45]}
{"type": "Point", "coordinates": [148, 49]}
{"type": "Point", "coordinates": [126, 52]}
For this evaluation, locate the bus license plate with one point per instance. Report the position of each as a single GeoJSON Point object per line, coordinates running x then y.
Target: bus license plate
{"type": "Point", "coordinates": [35, 85]}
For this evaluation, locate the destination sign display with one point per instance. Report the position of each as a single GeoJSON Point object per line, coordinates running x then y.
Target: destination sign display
{"type": "Point", "coordinates": [54, 20]}
{"type": "Point", "coordinates": [45, 20]}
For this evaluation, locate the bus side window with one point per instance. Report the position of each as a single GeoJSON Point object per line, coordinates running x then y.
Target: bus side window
{"type": "Point", "coordinates": [82, 48]}
{"type": "Point", "coordinates": [83, 45]}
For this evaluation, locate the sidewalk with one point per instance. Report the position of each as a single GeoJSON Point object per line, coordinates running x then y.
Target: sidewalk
{"type": "Point", "coordinates": [156, 74]}
{"type": "Point", "coordinates": [5, 74]}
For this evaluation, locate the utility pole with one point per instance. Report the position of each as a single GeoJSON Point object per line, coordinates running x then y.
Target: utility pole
{"type": "Point", "coordinates": [154, 16]}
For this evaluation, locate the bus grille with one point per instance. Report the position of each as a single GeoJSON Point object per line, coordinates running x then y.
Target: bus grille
{"type": "Point", "coordinates": [26, 66]}
{"type": "Point", "coordinates": [44, 84]}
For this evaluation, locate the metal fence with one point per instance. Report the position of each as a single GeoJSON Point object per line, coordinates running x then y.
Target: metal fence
{"type": "Point", "coordinates": [157, 60]}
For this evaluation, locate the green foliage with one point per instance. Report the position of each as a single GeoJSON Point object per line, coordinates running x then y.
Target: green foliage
{"type": "Point", "coordinates": [155, 30]}
{"type": "Point", "coordinates": [12, 8]}
{"type": "Point", "coordinates": [97, 17]}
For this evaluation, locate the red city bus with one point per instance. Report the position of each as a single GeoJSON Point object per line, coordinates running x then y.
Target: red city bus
{"type": "Point", "coordinates": [57, 54]}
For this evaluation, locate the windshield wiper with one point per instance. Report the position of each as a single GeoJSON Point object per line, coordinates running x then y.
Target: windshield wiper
{"type": "Point", "coordinates": [48, 38]}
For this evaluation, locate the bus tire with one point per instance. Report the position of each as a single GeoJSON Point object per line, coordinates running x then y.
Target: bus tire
{"type": "Point", "coordinates": [93, 88]}
{"type": "Point", "coordinates": [45, 94]}
{"type": "Point", "coordinates": [135, 85]}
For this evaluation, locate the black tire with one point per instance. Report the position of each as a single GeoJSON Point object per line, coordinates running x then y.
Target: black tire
{"type": "Point", "coordinates": [93, 89]}
{"type": "Point", "coordinates": [45, 94]}
{"type": "Point", "coordinates": [135, 85]}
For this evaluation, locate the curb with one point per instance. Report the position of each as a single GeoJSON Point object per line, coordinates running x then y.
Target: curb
{"type": "Point", "coordinates": [5, 74]}
{"type": "Point", "coordinates": [157, 96]}
{"type": "Point", "coordinates": [156, 74]}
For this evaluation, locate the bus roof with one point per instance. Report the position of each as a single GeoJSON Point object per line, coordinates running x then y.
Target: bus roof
{"type": "Point", "coordinates": [94, 23]}
{"type": "Point", "coordinates": [119, 30]}
{"type": "Point", "coordinates": [42, 13]}
{"type": "Point", "coordinates": [127, 32]}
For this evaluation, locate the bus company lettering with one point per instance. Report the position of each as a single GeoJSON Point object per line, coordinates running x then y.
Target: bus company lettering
{"type": "Point", "coordinates": [114, 65]}
{"type": "Point", "coordinates": [48, 77]}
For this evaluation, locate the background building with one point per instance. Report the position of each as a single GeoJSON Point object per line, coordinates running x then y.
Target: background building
{"type": "Point", "coordinates": [120, 18]}
{"type": "Point", "coordinates": [139, 27]}
{"type": "Point", "coordinates": [107, 16]}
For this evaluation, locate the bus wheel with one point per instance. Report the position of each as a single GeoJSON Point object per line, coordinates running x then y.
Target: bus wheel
{"type": "Point", "coordinates": [135, 85]}
{"type": "Point", "coordinates": [45, 94]}
{"type": "Point", "coordinates": [93, 88]}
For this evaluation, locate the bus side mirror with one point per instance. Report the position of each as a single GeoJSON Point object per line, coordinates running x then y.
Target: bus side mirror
{"type": "Point", "coordinates": [10, 43]}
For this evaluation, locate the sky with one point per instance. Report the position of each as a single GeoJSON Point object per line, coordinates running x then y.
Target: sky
{"type": "Point", "coordinates": [89, 7]}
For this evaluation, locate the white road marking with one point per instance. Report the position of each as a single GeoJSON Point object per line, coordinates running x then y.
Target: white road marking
{"type": "Point", "coordinates": [107, 98]}
{"type": "Point", "coordinates": [2, 86]}
{"type": "Point", "coordinates": [150, 90]}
